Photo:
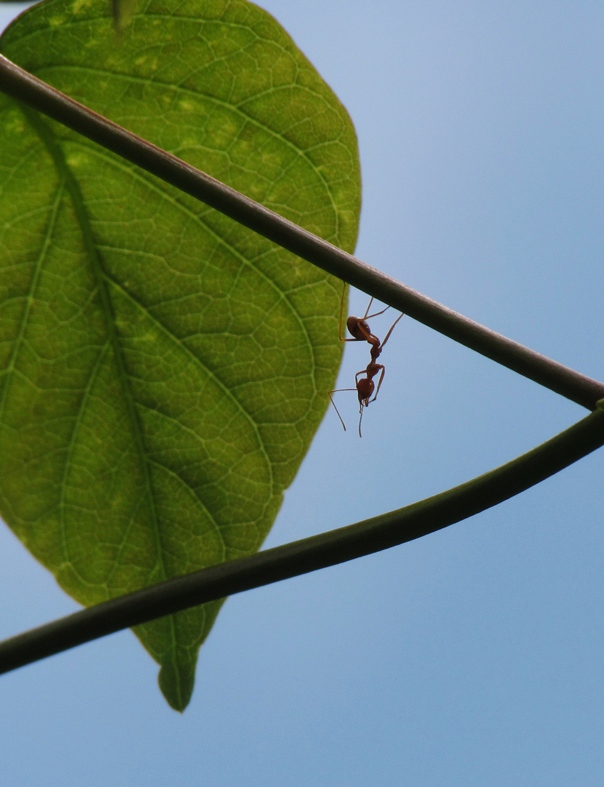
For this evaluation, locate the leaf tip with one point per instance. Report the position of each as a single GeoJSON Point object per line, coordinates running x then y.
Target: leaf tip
{"type": "Point", "coordinates": [176, 681]}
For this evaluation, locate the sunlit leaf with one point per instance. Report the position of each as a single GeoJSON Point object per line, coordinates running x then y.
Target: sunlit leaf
{"type": "Point", "coordinates": [122, 13]}
{"type": "Point", "coordinates": [163, 370]}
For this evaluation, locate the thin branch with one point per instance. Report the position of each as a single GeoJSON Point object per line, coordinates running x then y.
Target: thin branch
{"type": "Point", "coordinates": [310, 554]}
{"type": "Point", "coordinates": [24, 87]}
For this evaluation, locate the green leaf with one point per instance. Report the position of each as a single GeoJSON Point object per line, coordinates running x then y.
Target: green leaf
{"type": "Point", "coordinates": [163, 370]}
{"type": "Point", "coordinates": [123, 11]}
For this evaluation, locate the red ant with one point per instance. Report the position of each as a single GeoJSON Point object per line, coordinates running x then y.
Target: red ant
{"type": "Point", "coordinates": [364, 386]}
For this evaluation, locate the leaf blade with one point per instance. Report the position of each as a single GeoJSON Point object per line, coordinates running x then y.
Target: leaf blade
{"type": "Point", "coordinates": [187, 359]}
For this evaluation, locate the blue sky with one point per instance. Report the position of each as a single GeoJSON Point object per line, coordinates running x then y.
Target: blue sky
{"type": "Point", "coordinates": [470, 657]}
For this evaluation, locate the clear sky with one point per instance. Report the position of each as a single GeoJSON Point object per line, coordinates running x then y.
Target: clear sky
{"type": "Point", "coordinates": [474, 656]}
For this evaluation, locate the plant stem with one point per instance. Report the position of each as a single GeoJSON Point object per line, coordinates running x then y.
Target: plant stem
{"type": "Point", "coordinates": [24, 87]}
{"type": "Point", "coordinates": [310, 554]}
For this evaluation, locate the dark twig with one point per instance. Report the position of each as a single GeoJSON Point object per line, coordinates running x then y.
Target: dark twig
{"type": "Point", "coordinates": [24, 87]}
{"type": "Point", "coordinates": [310, 554]}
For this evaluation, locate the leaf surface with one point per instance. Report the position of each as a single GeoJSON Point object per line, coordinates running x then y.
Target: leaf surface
{"type": "Point", "coordinates": [162, 369]}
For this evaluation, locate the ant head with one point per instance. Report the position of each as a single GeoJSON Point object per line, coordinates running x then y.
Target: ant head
{"type": "Point", "coordinates": [365, 388]}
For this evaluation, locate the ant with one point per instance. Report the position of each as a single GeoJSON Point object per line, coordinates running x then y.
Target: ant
{"type": "Point", "coordinates": [361, 332]}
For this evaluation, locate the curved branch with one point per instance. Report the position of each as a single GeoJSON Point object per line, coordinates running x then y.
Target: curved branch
{"type": "Point", "coordinates": [24, 87]}
{"type": "Point", "coordinates": [309, 554]}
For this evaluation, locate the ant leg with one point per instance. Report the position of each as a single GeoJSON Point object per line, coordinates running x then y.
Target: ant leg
{"type": "Point", "coordinates": [392, 327]}
{"type": "Point", "coordinates": [342, 339]}
{"type": "Point", "coordinates": [375, 314]}
{"type": "Point", "coordinates": [382, 370]}
{"type": "Point", "coordinates": [337, 390]}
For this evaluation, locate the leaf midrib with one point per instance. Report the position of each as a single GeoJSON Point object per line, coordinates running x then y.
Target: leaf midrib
{"type": "Point", "coordinates": [283, 296]}
{"type": "Point", "coordinates": [120, 367]}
